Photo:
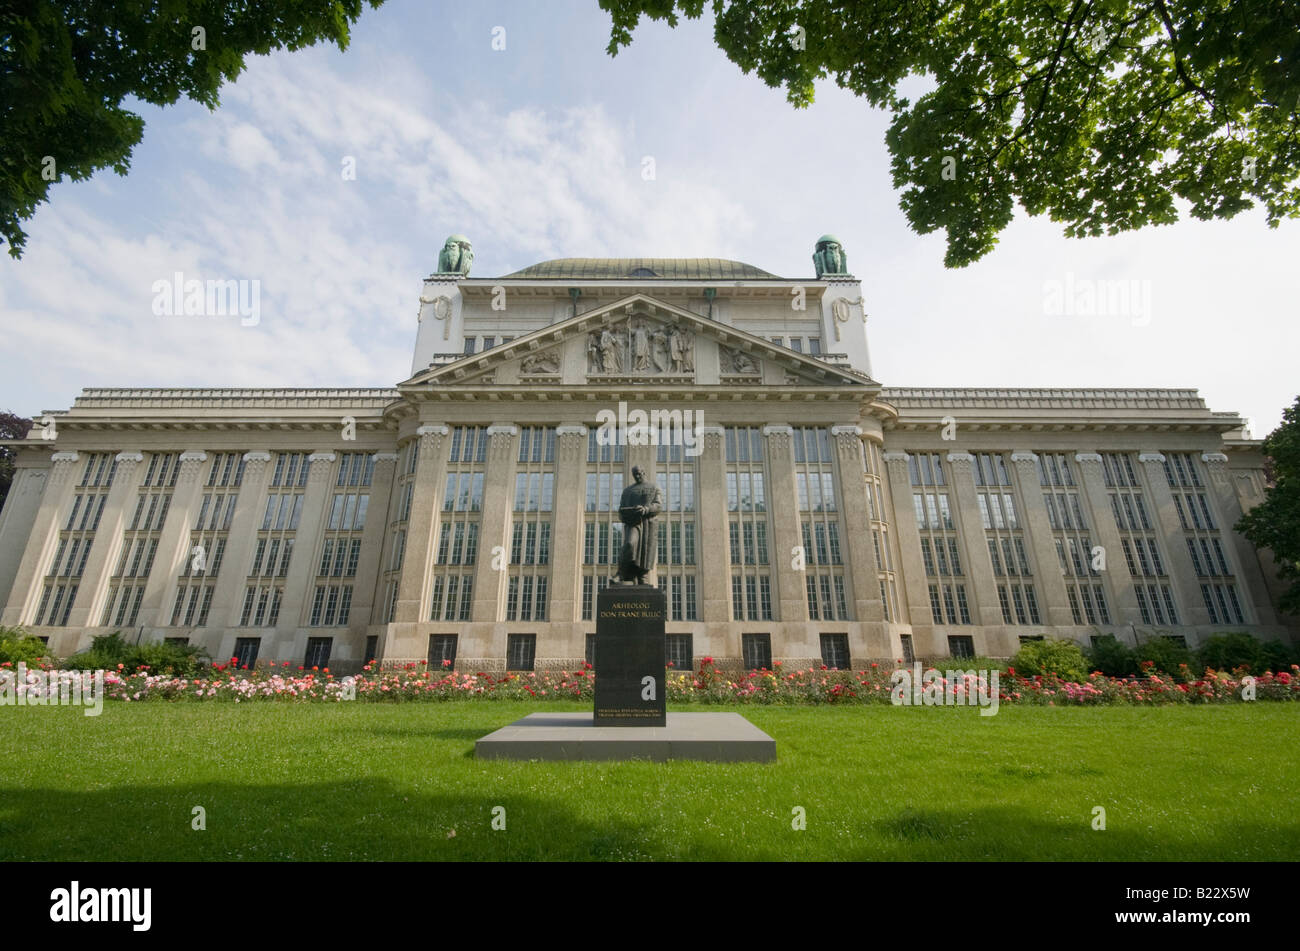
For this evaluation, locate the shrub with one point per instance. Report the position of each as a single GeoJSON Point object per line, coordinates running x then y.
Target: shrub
{"type": "Point", "coordinates": [1230, 651]}
{"type": "Point", "coordinates": [17, 646]}
{"type": "Point", "coordinates": [1112, 657]}
{"type": "Point", "coordinates": [1167, 655]}
{"type": "Point", "coordinates": [1277, 655]}
{"type": "Point", "coordinates": [1239, 649]}
{"type": "Point", "coordinates": [109, 650]}
{"type": "Point", "coordinates": [1060, 657]}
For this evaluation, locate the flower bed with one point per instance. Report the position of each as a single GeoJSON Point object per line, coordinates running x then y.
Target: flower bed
{"type": "Point", "coordinates": [708, 685]}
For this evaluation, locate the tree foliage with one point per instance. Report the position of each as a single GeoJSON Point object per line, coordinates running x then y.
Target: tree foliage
{"type": "Point", "coordinates": [11, 427]}
{"type": "Point", "coordinates": [1275, 523]}
{"type": "Point", "coordinates": [67, 65]}
{"type": "Point", "coordinates": [1102, 114]}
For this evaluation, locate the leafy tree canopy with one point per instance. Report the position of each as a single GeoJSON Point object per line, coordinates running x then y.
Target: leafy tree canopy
{"type": "Point", "coordinates": [67, 65]}
{"type": "Point", "coordinates": [1275, 522]}
{"type": "Point", "coordinates": [11, 427]}
{"type": "Point", "coordinates": [1099, 113]}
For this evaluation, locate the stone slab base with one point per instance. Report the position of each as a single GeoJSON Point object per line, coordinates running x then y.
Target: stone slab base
{"type": "Point", "coordinates": [710, 737]}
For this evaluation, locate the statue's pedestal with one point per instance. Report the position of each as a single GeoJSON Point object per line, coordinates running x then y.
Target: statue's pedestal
{"type": "Point", "coordinates": [630, 693]}
{"type": "Point", "coordinates": [630, 657]}
{"type": "Point", "coordinates": [571, 737]}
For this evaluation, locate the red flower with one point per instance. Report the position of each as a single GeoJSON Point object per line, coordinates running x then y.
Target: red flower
{"type": "Point", "coordinates": [234, 660]}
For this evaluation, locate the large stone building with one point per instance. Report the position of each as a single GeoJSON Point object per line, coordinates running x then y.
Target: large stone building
{"type": "Point", "coordinates": [810, 514]}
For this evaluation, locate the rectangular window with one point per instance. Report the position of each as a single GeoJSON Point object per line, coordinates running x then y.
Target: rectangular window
{"type": "Point", "coordinates": [835, 651]}
{"type": "Point", "coordinates": [909, 656]}
{"type": "Point", "coordinates": [318, 652]}
{"type": "Point", "coordinates": [521, 650]}
{"type": "Point", "coordinates": [961, 645]}
{"type": "Point", "coordinates": [757, 649]}
{"type": "Point", "coordinates": [246, 651]}
{"type": "Point", "coordinates": [442, 651]}
{"type": "Point", "coordinates": [679, 652]}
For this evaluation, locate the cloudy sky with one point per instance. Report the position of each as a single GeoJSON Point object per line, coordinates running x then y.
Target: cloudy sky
{"type": "Point", "coordinates": [535, 152]}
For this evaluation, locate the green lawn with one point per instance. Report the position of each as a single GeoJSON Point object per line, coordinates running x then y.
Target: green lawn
{"type": "Point", "coordinates": [371, 781]}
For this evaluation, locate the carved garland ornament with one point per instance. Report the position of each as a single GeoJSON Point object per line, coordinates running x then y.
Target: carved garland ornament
{"type": "Point", "coordinates": [441, 311]}
{"type": "Point", "coordinates": [840, 310]}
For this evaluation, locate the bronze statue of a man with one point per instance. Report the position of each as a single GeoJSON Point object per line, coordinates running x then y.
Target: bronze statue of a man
{"type": "Point", "coordinates": [637, 508]}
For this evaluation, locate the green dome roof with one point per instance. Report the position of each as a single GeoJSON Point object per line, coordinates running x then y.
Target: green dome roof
{"type": "Point", "coordinates": [663, 269]}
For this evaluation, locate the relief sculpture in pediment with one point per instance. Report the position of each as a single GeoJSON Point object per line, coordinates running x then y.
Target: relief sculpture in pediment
{"type": "Point", "coordinates": [736, 361]}
{"type": "Point", "coordinates": [641, 347]}
{"type": "Point", "coordinates": [542, 363]}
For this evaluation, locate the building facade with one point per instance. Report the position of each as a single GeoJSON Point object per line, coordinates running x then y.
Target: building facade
{"type": "Point", "coordinates": [811, 515]}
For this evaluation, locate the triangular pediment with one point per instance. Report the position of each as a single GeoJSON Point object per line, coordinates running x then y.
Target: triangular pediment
{"type": "Point", "coordinates": [639, 340]}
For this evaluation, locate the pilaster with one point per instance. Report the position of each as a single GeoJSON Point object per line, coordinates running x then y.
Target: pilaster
{"type": "Point", "coordinates": [982, 595]}
{"type": "Point", "coordinates": [1104, 532]}
{"type": "Point", "coordinates": [228, 599]}
{"type": "Point", "coordinates": [421, 523]}
{"type": "Point", "coordinates": [306, 544]}
{"type": "Point", "coordinates": [1049, 581]}
{"type": "Point", "coordinates": [911, 569]}
{"type": "Point", "coordinates": [783, 505]}
{"type": "Point", "coordinates": [373, 538]}
{"type": "Point", "coordinates": [42, 540]}
{"type": "Point", "coordinates": [174, 541]}
{"type": "Point", "coordinates": [107, 543]}
{"type": "Point", "coordinates": [1229, 511]}
{"type": "Point", "coordinates": [498, 506]}
{"type": "Point", "coordinates": [565, 585]}
{"type": "Point", "coordinates": [863, 570]}
{"type": "Point", "coordinates": [714, 552]}
{"type": "Point", "coordinates": [1182, 573]}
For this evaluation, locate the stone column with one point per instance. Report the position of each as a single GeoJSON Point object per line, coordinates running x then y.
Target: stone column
{"type": "Point", "coordinates": [421, 524]}
{"type": "Point", "coordinates": [303, 565]}
{"type": "Point", "coordinates": [173, 543]}
{"type": "Point", "coordinates": [228, 598]}
{"type": "Point", "coordinates": [373, 538]}
{"type": "Point", "coordinates": [1049, 581]}
{"type": "Point", "coordinates": [982, 593]}
{"type": "Point", "coordinates": [565, 586]}
{"type": "Point", "coordinates": [864, 572]}
{"type": "Point", "coordinates": [1105, 533]}
{"type": "Point", "coordinates": [714, 553]}
{"type": "Point", "coordinates": [1182, 573]}
{"type": "Point", "coordinates": [93, 587]}
{"type": "Point", "coordinates": [783, 507]}
{"type": "Point", "coordinates": [915, 589]}
{"type": "Point", "coordinates": [1229, 512]}
{"type": "Point", "coordinates": [42, 540]}
{"type": "Point", "coordinates": [494, 525]}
